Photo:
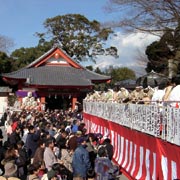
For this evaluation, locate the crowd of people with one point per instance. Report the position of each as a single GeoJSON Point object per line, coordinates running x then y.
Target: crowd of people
{"type": "Point", "coordinates": [53, 145]}
{"type": "Point", "coordinates": [166, 94]}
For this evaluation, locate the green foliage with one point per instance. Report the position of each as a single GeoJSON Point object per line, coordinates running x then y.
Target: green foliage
{"type": "Point", "coordinates": [123, 73]}
{"type": "Point", "coordinates": [117, 74]}
{"type": "Point", "coordinates": [97, 70]}
{"type": "Point", "coordinates": [24, 56]}
{"type": "Point", "coordinates": [159, 52]}
{"type": "Point", "coordinates": [89, 67]}
{"type": "Point", "coordinates": [5, 63]}
{"type": "Point", "coordinates": [80, 38]}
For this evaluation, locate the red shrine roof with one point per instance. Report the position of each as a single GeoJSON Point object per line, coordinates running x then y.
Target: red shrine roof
{"type": "Point", "coordinates": [55, 68]}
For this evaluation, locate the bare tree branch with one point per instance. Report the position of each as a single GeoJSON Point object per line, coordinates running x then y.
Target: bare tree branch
{"type": "Point", "coordinates": [5, 43]}
{"type": "Point", "coordinates": [146, 16]}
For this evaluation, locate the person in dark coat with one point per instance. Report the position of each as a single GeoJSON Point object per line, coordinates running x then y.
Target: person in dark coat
{"type": "Point", "coordinates": [1, 137]}
{"type": "Point", "coordinates": [109, 147]}
{"type": "Point", "coordinates": [81, 162]}
{"type": "Point", "coordinates": [22, 160]}
{"type": "Point", "coordinates": [32, 140]}
{"type": "Point", "coordinates": [15, 137]}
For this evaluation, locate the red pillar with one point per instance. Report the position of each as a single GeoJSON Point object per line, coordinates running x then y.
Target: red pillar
{"type": "Point", "coordinates": [74, 100]}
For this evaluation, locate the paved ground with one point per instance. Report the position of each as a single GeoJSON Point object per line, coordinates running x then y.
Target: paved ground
{"type": "Point", "coordinates": [123, 177]}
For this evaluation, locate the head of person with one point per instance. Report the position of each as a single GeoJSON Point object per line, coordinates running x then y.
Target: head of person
{"type": "Point", "coordinates": [82, 140]}
{"type": "Point", "coordinates": [18, 130]}
{"type": "Point", "coordinates": [64, 134]}
{"type": "Point", "coordinates": [50, 143]}
{"type": "Point", "coordinates": [107, 141]}
{"type": "Point", "coordinates": [20, 144]}
{"type": "Point", "coordinates": [91, 137]}
{"type": "Point", "coordinates": [10, 153]}
{"type": "Point", "coordinates": [42, 144]}
{"type": "Point", "coordinates": [102, 152]}
{"type": "Point", "coordinates": [34, 168]}
{"type": "Point", "coordinates": [10, 169]}
{"type": "Point", "coordinates": [78, 133]}
{"type": "Point", "coordinates": [31, 129]}
{"type": "Point", "coordinates": [138, 88]}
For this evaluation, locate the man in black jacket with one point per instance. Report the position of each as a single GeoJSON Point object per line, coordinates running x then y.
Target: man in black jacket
{"type": "Point", "coordinates": [32, 140]}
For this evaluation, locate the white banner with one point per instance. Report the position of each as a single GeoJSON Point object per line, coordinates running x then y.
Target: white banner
{"type": "Point", "coordinates": [162, 122]}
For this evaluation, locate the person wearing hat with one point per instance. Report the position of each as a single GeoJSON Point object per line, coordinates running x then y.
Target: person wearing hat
{"type": "Point", "coordinates": [81, 162]}
{"type": "Point", "coordinates": [10, 172]}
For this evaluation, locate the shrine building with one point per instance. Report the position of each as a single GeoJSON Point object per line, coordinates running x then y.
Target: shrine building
{"type": "Point", "coordinates": [54, 80]}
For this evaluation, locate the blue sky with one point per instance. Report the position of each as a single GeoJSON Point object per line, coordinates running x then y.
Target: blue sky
{"type": "Point", "coordinates": [21, 19]}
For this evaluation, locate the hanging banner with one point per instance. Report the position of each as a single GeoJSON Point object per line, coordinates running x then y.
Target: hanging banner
{"type": "Point", "coordinates": [140, 155]}
{"type": "Point", "coordinates": [162, 122]}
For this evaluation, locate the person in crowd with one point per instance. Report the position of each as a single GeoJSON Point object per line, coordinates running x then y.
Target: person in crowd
{"type": "Point", "coordinates": [137, 94]}
{"type": "Point", "coordinates": [75, 125]}
{"type": "Point", "coordinates": [91, 148]}
{"type": "Point", "coordinates": [158, 95]}
{"type": "Point", "coordinates": [58, 171]}
{"type": "Point", "coordinates": [110, 95]}
{"type": "Point", "coordinates": [122, 95]}
{"type": "Point", "coordinates": [49, 156]}
{"type": "Point", "coordinates": [10, 156]}
{"type": "Point", "coordinates": [51, 129]}
{"type": "Point", "coordinates": [33, 171]}
{"type": "Point", "coordinates": [32, 141]}
{"type": "Point", "coordinates": [2, 152]}
{"type": "Point", "coordinates": [174, 96]}
{"type": "Point", "coordinates": [109, 148]}
{"type": "Point", "coordinates": [167, 90]}
{"type": "Point", "coordinates": [10, 172]}
{"type": "Point", "coordinates": [62, 139]}
{"type": "Point", "coordinates": [1, 137]}
{"type": "Point", "coordinates": [81, 162]}
{"type": "Point", "coordinates": [68, 127]}
{"type": "Point", "coordinates": [64, 155]}
{"type": "Point", "coordinates": [39, 153]}
{"type": "Point", "coordinates": [72, 142]}
{"type": "Point", "coordinates": [104, 168]}
{"type": "Point", "coordinates": [25, 133]}
{"type": "Point", "coordinates": [81, 126]}
{"type": "Point", "coordinates": [22, 160]}
{"type": "Point", "coordinates": [14, 137]}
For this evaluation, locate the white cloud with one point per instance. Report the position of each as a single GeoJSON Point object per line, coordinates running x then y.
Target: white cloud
{"type": "Point", "coordinates": [128, 47]}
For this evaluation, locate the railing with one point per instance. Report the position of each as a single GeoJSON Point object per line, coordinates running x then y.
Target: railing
{"type": "Point", "coordinates": [162, 122]}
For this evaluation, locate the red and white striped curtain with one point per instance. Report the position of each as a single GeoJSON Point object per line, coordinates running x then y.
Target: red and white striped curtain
{"type": "Point", "coordinates": [140, 155]}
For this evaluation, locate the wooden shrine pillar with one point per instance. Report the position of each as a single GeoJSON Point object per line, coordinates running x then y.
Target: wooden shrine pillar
{"type": "Point", "coordinates": [74, 100]}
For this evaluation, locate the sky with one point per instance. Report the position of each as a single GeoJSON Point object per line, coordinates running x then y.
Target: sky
{"type": "Point", "coordinates": [21, 19]}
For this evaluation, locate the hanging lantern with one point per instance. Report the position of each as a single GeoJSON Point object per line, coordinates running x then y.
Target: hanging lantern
{"type": "Point", "coordinates": [56, 56]}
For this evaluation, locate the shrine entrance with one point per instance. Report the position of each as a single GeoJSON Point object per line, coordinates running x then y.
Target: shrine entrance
{"type": "Point", "coordinates": [58, 102]}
